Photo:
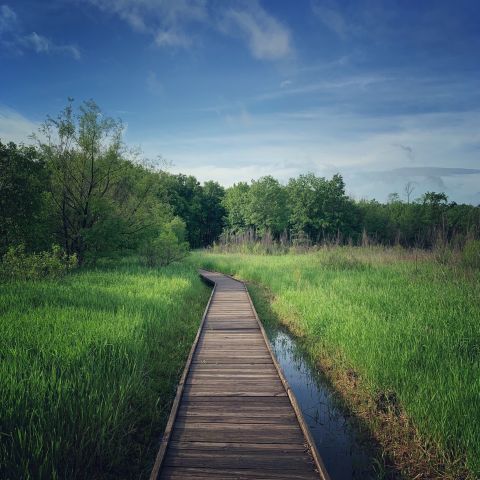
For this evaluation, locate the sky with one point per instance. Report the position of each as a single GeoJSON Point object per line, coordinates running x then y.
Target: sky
{"type": "Point", "coordinates": [383, 92]}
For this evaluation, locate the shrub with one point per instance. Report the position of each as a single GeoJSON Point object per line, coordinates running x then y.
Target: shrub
{"type": "Point", "coordinates": [18, 265]}
{"type": "Point", "coordinates": [168, 246]}
{"type": "Point", "coordinates": [471, 254]}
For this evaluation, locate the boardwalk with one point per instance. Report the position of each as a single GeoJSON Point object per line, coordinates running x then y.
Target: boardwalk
{"type": "Point", "coordinates": [234, 416]}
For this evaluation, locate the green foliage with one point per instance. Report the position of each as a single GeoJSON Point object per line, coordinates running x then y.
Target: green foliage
{"type": "Point", "coordinates": [89, 367]}
{"type": "Point", "coordinates": [404, 327]}
{"type": "Point", "coordinates": [319, 207]}
{"type": "Point", "coordinates": [18, 265]}
{"type": "Point", "coordinates": [319, 210]}
{"type": "Point", "coordinates": [199, 206]}
{"type": "Point", "coordinates": [235, 203]}
{"type": "Point", "coordinates": [83, 189]}
{"type": "Point", "coordinates": [103, 200]}
{"type": "Point", "coordinates": [168, 246]}
{"type": "Point", "coordinates": [213, 212]}
{"type": "Point", "coordinates": [471, 254]}
{"type": "Point", "coordinates": [23, 205]}
{"type": "Point", "coordinates": [266, 208]}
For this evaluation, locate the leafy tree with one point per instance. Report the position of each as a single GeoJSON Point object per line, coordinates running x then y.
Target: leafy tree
{"type": "Point", "coordinates": [168, 246]}
{"type": "Point", "coordinates": [24, 215]}
{"type": "Point", "coordinates": [376, 221]}
{"type": "Point", "coordinates": [235, 204]}
{"type": "Point", "coordinates": [184, 194]}
{"type": "Point", "coordinates": [99, 197]}
{"type": "Point", "coordinates": [213, 211]}
{"type": "Point", "coordinates": [435, 207]}
{"type": "Point", "coordinates": [304, 203]}
{"type": "Point", "coordinates": [267, 206]}
{"type": "Point", "coordinates": [320, 207]}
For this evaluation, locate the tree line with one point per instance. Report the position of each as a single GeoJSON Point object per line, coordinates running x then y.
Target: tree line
{"type": "Point", "coordinates": [317, 210]}
{"type": "Point", "coordinates": [79, 187]}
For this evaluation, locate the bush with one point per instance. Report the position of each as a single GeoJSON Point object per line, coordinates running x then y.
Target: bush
{"type": "Point", "coordinates": [168, 246]}
{"type": "Point", "coordinates": [18, 265]}
{"type": "Point", "coordinates": [471, 254]}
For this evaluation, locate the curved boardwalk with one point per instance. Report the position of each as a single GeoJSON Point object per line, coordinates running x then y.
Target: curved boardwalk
{"type": "Point", "coordinates": [234, 415]}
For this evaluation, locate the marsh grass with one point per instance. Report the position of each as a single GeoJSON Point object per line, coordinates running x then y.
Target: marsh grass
{"type": "Point", "coordinates": [89, 366]}
{"type": "Point", "coordinates": [407, 325]}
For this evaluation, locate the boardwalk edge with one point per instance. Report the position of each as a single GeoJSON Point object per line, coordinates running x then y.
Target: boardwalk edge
{"type": "Point", "coordinates": [176, 402]}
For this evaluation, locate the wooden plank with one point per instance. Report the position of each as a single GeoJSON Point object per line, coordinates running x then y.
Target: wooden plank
{"type": "Point", "coordinates": [215, 407]}
{"type": "Point", "coordinates": [232, 403]}
{"type": "Point", "coordinates": [179, 457]}
{"type": "Point", "coordinates": [251, 433]}
{"type": "Point", "coordinates": [239, 418]}
{"type": "Point", "coordinates": [241, 447]}
{"type": "Point", "coordinates": [233, 376]}
{"type": "Point", "coordinates": [240, 391]}
{"type": "Point", "coordinates": [185, 473]}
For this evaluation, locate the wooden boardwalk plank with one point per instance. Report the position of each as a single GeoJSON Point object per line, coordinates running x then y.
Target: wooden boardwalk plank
{"type": "Point", "coordinates": [234, 416]}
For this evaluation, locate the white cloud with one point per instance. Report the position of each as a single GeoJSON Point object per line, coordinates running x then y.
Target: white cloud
{"type": "Point", "coordinates": [8, 19]}
{"type": "Point", "coordinates": [167, 22]}
{"type": "Point", "coordinates": [170, 38]}
{"type": "Point", "coordinates": [12, 37]}
{"type": "Point", "coordinates": [14, 127]}
{"type": "Point", "coordinates": [331, 18]}
{"type": "Point", "coordinates": [266, 37]}
{"type": "Point", "coordinates": [350, 84]}
{"type": "Point", "coordinates": [41, 44]}
{"type": "Point", "coordinates": [163, 20]}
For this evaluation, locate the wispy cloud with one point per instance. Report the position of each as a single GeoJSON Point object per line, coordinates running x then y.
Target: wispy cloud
{"type": "Point", "coordinates": [8, 19]}
{"type": "Point", "coordinates": [40, 44]}
{"type": "Point", "coordinates": [266, 37]}
{"type": "Point", "coordinates": [331, 18]}
{"type": "Point", "coordinates": [357, 82]}
{"type": "Point", "coordinates": [164, 20]}
{"type": "Point", "coordinates": [168, 22]}
{"type": "Point", "coordinates": [13, 37]}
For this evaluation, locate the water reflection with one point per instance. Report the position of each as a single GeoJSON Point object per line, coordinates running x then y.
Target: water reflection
{"type": "Point", "coordinates": [344, 456]}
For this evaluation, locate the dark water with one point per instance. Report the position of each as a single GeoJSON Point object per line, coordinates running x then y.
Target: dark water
{"type": "Point", "coordinates": [344, 456]}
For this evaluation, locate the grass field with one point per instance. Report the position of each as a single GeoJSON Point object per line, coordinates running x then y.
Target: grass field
{"type": "Point", "coordinates": [410, 327]}
{"type": "Point", "coordinates": [88, 369]}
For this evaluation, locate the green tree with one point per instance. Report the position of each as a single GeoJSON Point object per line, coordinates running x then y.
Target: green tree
{"type": "Point", "coordinates": [267, 206]}
{"type": "Point", "coordinates": [24, 217]}
{"type": "Point", "coordinates": [213, 211]}
{"type": "Point", "coordinates": [185, 196]}
{"type": "Point", "coordinates": [320, 208]}
{"type": "Point", "coordinates": [435, 208]}
{"type": "Point", "coordinates": [235, 204]}
{"type": "Point", "coordinates": [101, 200]}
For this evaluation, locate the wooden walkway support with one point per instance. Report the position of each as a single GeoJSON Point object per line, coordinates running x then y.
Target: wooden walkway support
{"type": "Point", "coordinates": [234, 415]}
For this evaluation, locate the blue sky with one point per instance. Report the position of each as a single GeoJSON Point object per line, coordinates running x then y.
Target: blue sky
{"type": "Point", "coordinates": [384, 92]}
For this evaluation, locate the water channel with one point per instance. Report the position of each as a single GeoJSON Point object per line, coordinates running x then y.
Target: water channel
{"type": "Point", "coordinates": [344, 455]}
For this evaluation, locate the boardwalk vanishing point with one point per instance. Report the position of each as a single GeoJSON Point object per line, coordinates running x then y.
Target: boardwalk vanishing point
{"type": "Point", "coordinates": [234, 415]}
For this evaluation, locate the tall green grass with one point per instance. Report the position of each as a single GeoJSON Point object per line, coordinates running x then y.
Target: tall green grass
{"type": "Point", "coordinates": [406, 324]}
{"type": "Point", "coordinates": [88, 368]}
